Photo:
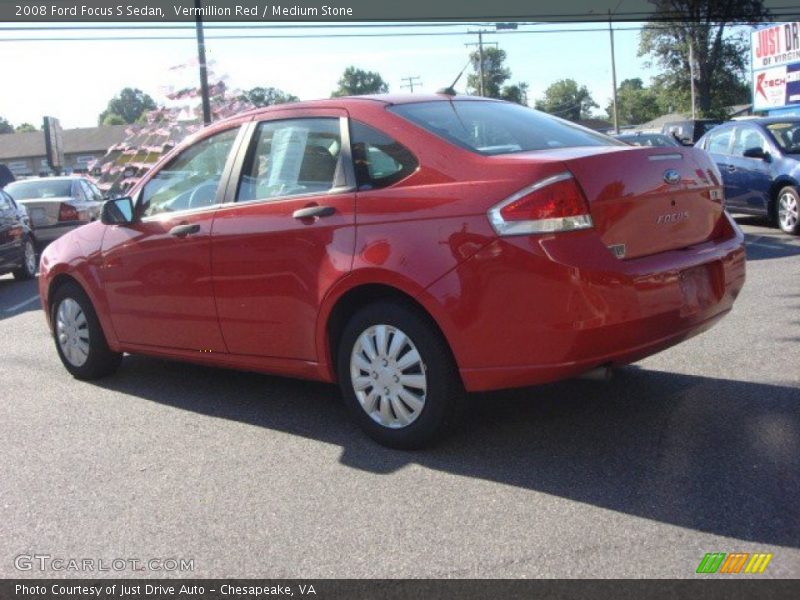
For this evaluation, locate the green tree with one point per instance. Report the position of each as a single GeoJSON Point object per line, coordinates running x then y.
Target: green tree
{"type": "Point", "coordinates": [356, 82]}
{"type": "Point", "coordinates": [5, 126]}
{"type": "Point", "coordinates": [566, 99]}
{"type": "Point", "coordinates": [636, 103]}
{"type": "Point", "coordinates": [25, 128]}
{"type": "Point", "coordinates": [129, 105]}
{"type": "Point", "coordinates": [720, 53]}
{"type": "Point", "coordinates": [112, 119]}
{"type": "Point", "coordinates": [261, 96]}
{"type": "Point", "coordinates": [495, 74]}
{"type": "Point", "coordinates": [517, 92]}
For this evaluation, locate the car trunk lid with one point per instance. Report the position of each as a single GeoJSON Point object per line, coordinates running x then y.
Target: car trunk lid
{"type": "Point", "coordinates": [649, 200]}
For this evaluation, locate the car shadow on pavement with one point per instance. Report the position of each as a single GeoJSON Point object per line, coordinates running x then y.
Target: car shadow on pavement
{"type": "Point", "coordinates": [714, 455]}
{"type": "Point", "coordinates": [17, 297]}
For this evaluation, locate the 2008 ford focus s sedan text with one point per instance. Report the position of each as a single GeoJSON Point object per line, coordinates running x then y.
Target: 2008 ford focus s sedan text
{"type": "Point", "coordinates": [408, 248]}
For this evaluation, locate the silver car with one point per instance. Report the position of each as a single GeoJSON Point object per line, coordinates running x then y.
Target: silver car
{"type": "Point", "coordinates": [57, 205]}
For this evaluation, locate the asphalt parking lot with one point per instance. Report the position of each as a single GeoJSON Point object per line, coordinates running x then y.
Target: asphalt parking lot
{"type": "Point", "coordinates": [691, 451]}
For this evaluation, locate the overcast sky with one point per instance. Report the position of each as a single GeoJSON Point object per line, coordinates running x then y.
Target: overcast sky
{"type": "Point", "coordinates": [74, 80]}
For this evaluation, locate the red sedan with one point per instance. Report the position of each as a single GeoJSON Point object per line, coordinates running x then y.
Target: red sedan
{"type": "Point", "coordinates": [409, 248]}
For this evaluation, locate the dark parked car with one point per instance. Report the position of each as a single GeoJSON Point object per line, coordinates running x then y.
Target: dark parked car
{"type": "Point", "coordinates": [657, 140]}
{"type": "Point", "coordinates": [17, 251]}
{"type": "Point", "coordinates": [760, 164]}
{"type": "Point", "coordinates": [57, 205]}
{"type": "Point", "coordinates": [6, 176]}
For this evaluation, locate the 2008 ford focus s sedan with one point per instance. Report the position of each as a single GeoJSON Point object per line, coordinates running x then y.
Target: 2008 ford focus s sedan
{"type": "Point", "coordinates": [408, 248]}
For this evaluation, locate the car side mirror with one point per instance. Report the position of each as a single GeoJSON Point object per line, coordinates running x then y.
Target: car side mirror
{"type": "Point", "coordinates": [756, 152]}
{"type": "Point", "coordinates": [118, 211]}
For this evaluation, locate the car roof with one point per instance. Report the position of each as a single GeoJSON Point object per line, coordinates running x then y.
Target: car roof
{"type": "Point", "coordinates": [350, 101]}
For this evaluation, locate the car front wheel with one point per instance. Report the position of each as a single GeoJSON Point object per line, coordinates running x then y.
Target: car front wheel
{"type": "Point", "coordinates": [789, 210]}
{"type": "Point", "coordinates": [28, 268]}
{"type": "Point", "coordinates": [79, 339]}
{"type": "Point", "coordinates": [397, 375]}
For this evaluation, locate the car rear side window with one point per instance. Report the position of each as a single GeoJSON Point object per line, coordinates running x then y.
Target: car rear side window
{"type": "Point", "coordinates": [498, 127]}
{"type": "Point", "coordinates": [378, 160]}
{"type": "Point", "coordinates": [292, 157]}
{"type": "Point", "coordinates": [719, 141]}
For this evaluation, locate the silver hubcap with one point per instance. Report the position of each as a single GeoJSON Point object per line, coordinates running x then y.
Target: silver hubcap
{"type": "Point", "coordinates": [788, 211]}
{"type": "Point", "coordinates": [388, 376]}
{"type": "Point", "coordinates": [72, 330]}
{"type": "Point", "coordinates": [30, 258]}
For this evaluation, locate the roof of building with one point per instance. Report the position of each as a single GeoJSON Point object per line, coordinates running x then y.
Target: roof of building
{"type": "Point", "coordinates": [84, 139]}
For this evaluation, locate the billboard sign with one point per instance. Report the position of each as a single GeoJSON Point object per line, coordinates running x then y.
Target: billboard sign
{"type": "Point", "coordinates": [775, 57]}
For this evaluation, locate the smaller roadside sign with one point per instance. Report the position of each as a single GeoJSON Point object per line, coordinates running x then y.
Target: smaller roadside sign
{"type": "Point", "coordinates": [53, 143]}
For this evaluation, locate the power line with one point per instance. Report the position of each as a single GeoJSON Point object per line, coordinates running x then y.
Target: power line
{"type": "Point", "coordinates": [412, 81]}
{"type": "Point", "coordinates": [318, 35]}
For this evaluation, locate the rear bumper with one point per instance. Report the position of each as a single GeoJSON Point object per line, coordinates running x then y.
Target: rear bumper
{"type": "Point", "coordinates": [48, 233]}
{"type": "Point", "coordinates": [530, 310]}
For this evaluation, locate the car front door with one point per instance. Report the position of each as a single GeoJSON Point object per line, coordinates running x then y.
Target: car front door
{"type": "Point", "coordinates": [286, 234]}
{"type": "Point", "coordinates": [752, 174]}
{"type": "Point", "coordinates": [157, 270]}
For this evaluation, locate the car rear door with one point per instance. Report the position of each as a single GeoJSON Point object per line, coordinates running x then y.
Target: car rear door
{"type": "Point", "coordinates": [157, 270]}
{"type": "Point", "coordinates": [752, 175]}
{"type": "Point", "coordinates": [286, 233]}
{"type": "Point", "coordinates": [8, 242]}
{"type": "Point", "coordinates": [718, 146]}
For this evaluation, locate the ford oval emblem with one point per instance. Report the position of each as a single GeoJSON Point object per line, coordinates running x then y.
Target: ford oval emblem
{"type": "Point", "coordinates": [671, 176]}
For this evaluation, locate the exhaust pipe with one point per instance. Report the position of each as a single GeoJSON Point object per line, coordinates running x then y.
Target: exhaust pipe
{"type": "Point", "coordinates": [603, 373]}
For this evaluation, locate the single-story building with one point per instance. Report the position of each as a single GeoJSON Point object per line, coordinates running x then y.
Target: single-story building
{"type": "Point", "coordinates": [24, 153]}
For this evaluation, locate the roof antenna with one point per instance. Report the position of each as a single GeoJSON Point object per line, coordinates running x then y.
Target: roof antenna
{"type": "Point", "coordinates": [450, 91]}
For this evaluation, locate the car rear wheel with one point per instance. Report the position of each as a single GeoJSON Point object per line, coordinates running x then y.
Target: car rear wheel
{"type": "Point", "coordinates": [79, 339]}
{"type": "Point", "coordinates": [788, 212]}
{"type": "Point", "coordinates": [28, 268]}
{"type": "Point", "coordinates": [397, 375]}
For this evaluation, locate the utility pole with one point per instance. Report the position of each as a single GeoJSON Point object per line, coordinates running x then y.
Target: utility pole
{"type": "Point", "coordinates": [201, 59]}
{"type": "Point", "coordinates": [412, 80]}
{"type": "Point", "coordinates": [613, 73]}
{"type": "Point", "coordinates": [481, 84]}
{"type": "Point", "coordinates": [691, 75]}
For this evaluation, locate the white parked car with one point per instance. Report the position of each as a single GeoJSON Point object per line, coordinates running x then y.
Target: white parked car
{"type": "Point", "coordinates": [57, 205]}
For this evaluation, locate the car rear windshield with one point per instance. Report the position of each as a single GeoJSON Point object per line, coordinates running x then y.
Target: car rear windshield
{"type": "Point", "coordinates": [498, 127]}
{"type": "Point", "coordinates": [39, 190]}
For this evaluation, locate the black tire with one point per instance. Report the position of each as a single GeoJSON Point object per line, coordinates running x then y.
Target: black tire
{"type": "Point", "coordinates": [26, 271]}
{"type": "Point", "coordinates": [444, 387]}
{"type": "Point", "coordinates": [790, 228]}
{"type": "Point", "coordinates": [101, 360]}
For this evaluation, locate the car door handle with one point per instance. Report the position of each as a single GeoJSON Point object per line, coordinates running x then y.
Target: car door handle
{"type": "Point", "coordinates": [731, 168]}
{"type": "Point", "coordinates": [309, 212]}
{"type": "Point", "coordinates": [185, 229]}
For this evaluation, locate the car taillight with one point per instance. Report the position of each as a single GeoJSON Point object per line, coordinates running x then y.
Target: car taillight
{"type": "Point", "coordinates": [67, 212]}
{"type": "Point", "coordinates": [550, 205]}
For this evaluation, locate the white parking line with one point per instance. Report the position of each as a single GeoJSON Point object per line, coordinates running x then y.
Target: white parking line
{"type": "Point", "coordinates": [782, 246]}
{"type": "Point", "coordinates": [21, 304]}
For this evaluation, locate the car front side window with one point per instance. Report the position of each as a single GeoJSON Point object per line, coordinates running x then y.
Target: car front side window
{"type": "Point", "coordinates": [292, 157]}
{"type": "Point", "coordinates": [747, 138]}
{"type": "Point", "coordinates": [191, 179]}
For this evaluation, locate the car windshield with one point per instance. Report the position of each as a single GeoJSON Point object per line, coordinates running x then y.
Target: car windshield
{"type": "Point", "coordinates": [498, 127]}
{"type": "Point", "coordinates": [786, 135]}
{"type": "Point", "coordinates": [38, 190]}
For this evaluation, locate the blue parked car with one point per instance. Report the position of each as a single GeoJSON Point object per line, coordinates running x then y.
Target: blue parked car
{"type": "Point", "coordinates": [760, 164]}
